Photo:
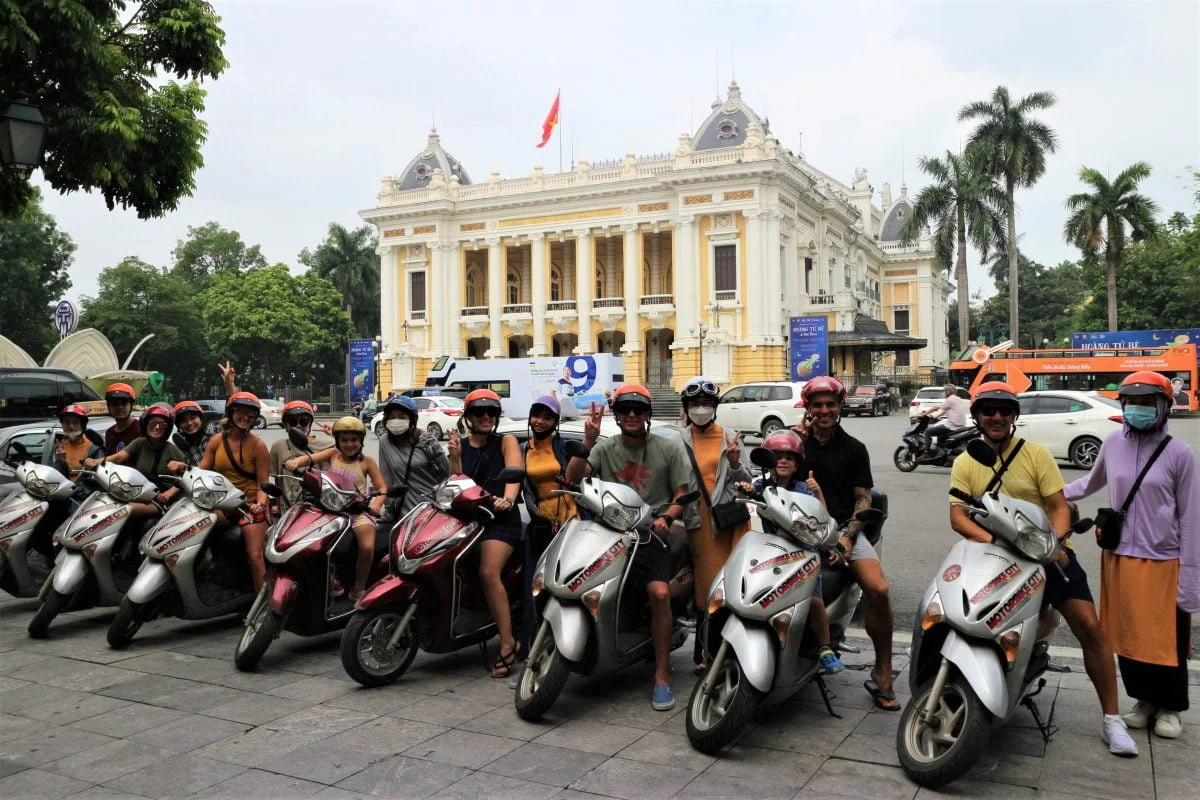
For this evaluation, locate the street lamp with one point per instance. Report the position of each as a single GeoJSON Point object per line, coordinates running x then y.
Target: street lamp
{"type": "Point", "coordinates": [22, 129]}
{"type": "Point", "coordinates": [992, 333]}
{"type": "Point", "coordinates": [377, 345]}
{"type": "Point", "coordinates": [700, 331]}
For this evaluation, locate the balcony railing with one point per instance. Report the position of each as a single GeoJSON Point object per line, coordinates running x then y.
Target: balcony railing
{"type": "Point", "coordinates": [523, 308]}
{"type": "Point", "coordinates": [609, 302]}
{"type": "Point", "coordinates": [726, 297]}
{"type": "Point", "coordinates": [561, 305]}
{"type": "Point", "coordinates": [475, 311]}
{"type": "Point", "coordinates": [658, 299]}
{"type": "Point", "coordinates": [417, 316]}
{"type": "Point", "coordinates": [820, 299]}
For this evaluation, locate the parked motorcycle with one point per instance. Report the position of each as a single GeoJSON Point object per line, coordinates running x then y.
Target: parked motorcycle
{"type": "Point", "coordinates": [175, 579]}
{"type": "Point", "coordinates": [431, 599]}
{"type": "Point", "coordinates": [28, 518]}
{"type": "Point", "coordinates": [976, 657]}
{"type": "Point", "coordinates": [913, 454]}
{"type": "Point", "coordinates": [306, 549]}
{"type": "Point", "coordinates": [759, 602]}
{"type": "Point", "coordinates": [593, 622]}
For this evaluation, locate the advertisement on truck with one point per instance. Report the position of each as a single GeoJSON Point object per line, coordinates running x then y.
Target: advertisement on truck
{"type": "Point", "coordinates": [580, 379]}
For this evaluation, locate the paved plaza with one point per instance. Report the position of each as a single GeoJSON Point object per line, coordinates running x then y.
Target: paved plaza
{"type": "Point", "coordinates": [171, 717]}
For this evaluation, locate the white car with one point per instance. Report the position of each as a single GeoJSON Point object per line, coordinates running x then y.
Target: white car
{"type": "Point", "coordinates": [271, 414]}
{"type": "Point", "coordinates": [927, 398]}
{"type": "Point", "coordinates": [438, 415]}
{"type": "Point", "coordinates": [761, 408]}
{"type": "Point", "coordinates": [1070, 424]}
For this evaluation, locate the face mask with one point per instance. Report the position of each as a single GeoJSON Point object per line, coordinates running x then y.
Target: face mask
{"type": "Point", "coordinates": [546, 434]}
{"type": "Point", "coordinates": [1140, 417]}
{"type": "Point", "coordinates": [701, 415]}
{"type": "Point", "coordinates": [396, 427]}
{"type": "Point", "coordinates": [75, 436]}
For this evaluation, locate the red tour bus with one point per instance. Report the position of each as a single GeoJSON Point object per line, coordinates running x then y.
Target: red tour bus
{"type": "Point", "coordinates": [1099, 371]}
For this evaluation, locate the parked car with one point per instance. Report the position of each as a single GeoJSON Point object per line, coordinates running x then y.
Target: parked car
{"type": "Point", "coordinates": [761, 408]}
{"type": "Point", "coordinates": [438, 415]}
{"type": "Point", "coordinates": [1070, 424]}
{"type": "Point", "coordinates": [214, 412]}
{"type": "Point", "coordinates": [272, 413]}
{"type": "Point", "coordinates": [38, 439]}
{"type": "Point", "coordinates": [866, 398]}
{"type": "Point", "coordinates": [34, 394]}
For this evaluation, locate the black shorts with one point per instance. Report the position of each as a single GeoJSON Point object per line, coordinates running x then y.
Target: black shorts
{"type": "Point", "coordinates": [511, 535]}
{"type": "Point", "coordinates": [1073, 587]}
{"type": "Point", "coordinates": [651, 562]}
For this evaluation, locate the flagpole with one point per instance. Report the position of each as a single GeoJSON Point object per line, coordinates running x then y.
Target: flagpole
{"type": "Point", "coordinates": [560, 138]}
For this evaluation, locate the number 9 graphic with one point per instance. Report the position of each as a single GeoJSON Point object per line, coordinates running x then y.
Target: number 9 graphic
{"type": "Point", "coordinates": [579, 374]}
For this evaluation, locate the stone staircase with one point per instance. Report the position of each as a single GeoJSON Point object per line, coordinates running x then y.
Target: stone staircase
{"type": "Point", "coordinates": [666, 403]}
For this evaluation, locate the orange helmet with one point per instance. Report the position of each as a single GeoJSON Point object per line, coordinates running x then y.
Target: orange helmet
{"type": "Point", "coordinates": [120, 391]}
{"type": "Point", "coordinates": [997, 392]}
{"type": "Point", "coordinates": [823, 384]}
{"type": "Point", "coordinates": [75, 409]}
{"type": "Point", "coordinates": [631, 393]}
{"type": "Point", "coordinates": [1147, 382]}
{"type": "Point", "coordinates": [244, 399]}
{"type": "Point", "coordinates": [482, 398]}
{"type": "Point", "coordinates": [187, 407]}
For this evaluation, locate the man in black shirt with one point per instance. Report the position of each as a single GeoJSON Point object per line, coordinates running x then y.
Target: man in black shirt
{"type": "Point", "coordinates": [841, 465]}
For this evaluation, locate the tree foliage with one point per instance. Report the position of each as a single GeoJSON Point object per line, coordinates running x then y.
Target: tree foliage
{"type": "Point", "coordinates": [1052, 298]}
{"type": "Point", "coordinates": [347, 259]}
{"type": "Point", "coordinates": [34, 258]}
{"type": "Point", "coordinates": [114, 126]}
{"type": "Point", "coordinates": [210, 249]}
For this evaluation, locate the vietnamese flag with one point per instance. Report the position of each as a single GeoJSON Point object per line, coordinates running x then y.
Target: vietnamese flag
{"type": "Point", "coordinates": [551, 120]}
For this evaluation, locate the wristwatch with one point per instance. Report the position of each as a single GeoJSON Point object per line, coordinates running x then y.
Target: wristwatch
{"type": "Point", "coordinates": [842, 550]}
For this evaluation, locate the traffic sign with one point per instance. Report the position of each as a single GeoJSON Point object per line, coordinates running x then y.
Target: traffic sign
{"type": "Point", "coordinates": [66, 315]}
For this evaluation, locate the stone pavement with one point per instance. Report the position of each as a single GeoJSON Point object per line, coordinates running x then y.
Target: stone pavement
{"type": "Point", "coordinates": [172, 718]}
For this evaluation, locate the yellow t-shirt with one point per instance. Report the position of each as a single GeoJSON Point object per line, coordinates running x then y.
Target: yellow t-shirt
{"type": "Point", "coordinates": [1032, 476]}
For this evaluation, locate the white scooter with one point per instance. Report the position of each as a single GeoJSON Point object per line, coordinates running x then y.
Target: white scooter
{"type": "Point", "coordinates": [168, 582]}
{"type": "Point", "coordinates": [26, 525]}
{"type": "Point", "coordinates": [91, 569]}
{"type": "Point", "coordinates": [976, 657]}
{"type": "Point", "coordinates": [759, 602]}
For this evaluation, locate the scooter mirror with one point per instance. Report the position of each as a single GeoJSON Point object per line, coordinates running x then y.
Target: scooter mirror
{"type": "Point", "coordinates": [398, 490]}
{"type": "Point", "coordinates": [298, 439]}
{"type": "Point", "coordinates": [511, 475]}
{"type": "Point", "coordinates": [272, 490]}
{"type": "Point", "coordinates": [982, 452]}
{"type": "Point", "coordinates": [1082, 526]}
{"type": "Point", "coordinates": [762, 457]}
{"type": "Point", "coordinates": [869, 516]}
{"type": "Point", "coordinates": [577, 449]}
{"type": "Point", "coordinates": [20, 450]}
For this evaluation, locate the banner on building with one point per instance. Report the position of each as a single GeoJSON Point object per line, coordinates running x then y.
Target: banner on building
{"type": "Point", "coordinates": [809, 342]}
{"type": "Point", "coordinates": [1112, 340]}
{"type": "Point", "coordinates": [362, 369]}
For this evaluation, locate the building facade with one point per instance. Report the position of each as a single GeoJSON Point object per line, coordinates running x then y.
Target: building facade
{"type": "Point", "coordinates": [684, 263]}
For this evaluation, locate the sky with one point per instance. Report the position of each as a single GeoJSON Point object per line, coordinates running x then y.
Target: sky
{"type": "Point", "coordinates": [323, 99]}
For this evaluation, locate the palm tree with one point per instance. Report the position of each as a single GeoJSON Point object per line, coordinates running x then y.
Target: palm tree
{"type": "Point", "coordinates": [1014, 147]}
{"type": "Point", "coordinates": [962, 202]}
{"type": "Point", "coordinates": [347, 259]}
{"type": "Point", "coordinates": [1099, 217]}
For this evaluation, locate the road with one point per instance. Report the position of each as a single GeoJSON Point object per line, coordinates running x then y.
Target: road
{"type": "Point", "coordinates": [917, 534]}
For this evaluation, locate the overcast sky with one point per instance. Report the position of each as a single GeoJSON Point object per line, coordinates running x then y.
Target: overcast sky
{"type": "Point", "coordinates": [322, 99]}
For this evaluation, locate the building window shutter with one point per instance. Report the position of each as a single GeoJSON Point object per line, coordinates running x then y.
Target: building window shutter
{"type": "Point", "coordinates": [417, 291]}
{"type": "Point", "coordinates": [726, 268]}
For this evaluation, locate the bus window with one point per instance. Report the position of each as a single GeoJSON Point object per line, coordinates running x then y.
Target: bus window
{"type": "Point", "coordinates": [440, 364]}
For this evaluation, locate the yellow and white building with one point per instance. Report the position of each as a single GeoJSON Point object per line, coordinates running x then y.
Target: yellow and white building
{"type": "Point", "coordinates": [701, 253]}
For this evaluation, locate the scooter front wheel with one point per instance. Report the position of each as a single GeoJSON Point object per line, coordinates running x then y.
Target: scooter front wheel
{"type": "Point", "coordinates": [366, 655]}
{"type": "Point", "coordinates": [52, 604]}
{"type": "Point", "coordinates": [543, 677]}
{"type": "Point", "coordinates": [721, 704]}
{"type": "Point", "coordinates": [262, 628]}
{"type": "Point", "coordinates": [938, 752]}
{"type": "Point", "coordinates": [904, 459]}
{"type": "Point", "coordinates": [128, 621]}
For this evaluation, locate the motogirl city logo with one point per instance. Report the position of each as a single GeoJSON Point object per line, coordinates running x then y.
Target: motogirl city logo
{"type": "Point", "coordinates": [1018, 599]}
{"type": "Point", "coordinates": [119, 514]}
{"type": "Point", "coordinates": [1010, 572]}
{"type": "Point", "coordinates": [779, 561]}
{"type": "Point", "coordinates": [603, 561]}
{"type": "Point", "coordinates": [182, 535]}
{"type": "Point", "coordinates": [797, 578]}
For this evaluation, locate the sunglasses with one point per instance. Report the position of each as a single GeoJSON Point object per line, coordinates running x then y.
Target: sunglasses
{"type": "Point", "coordinates": [292, 422]}
{"type": "Point", "coordinates": [156, 423]}
{"type": "Point", "coordinates": [630, 409]}
{"type": "Point", "coordinates": [483, 412]}
{"type": "Point", "coordinates": [995, 411]}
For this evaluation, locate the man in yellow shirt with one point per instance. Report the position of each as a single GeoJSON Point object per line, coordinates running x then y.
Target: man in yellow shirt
{"type": "Point", "coordinates": [1032, 475]}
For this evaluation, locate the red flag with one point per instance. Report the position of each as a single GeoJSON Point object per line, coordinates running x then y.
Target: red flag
{"type": "Point", "coordinates": [551, 121]}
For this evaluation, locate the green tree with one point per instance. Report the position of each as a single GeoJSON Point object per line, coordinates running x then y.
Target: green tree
{"type": "Point", "coordinates": [272, 324]}
{"type": "Point", "coordinates": [113, 126]}
{"type": "Point", "coordinates": [1099, 217]}
{"type": "Point", "coordinates": [1053, 295]}
{"type": "Point", "coordinates": [34, 258]}
{"type": "Point", "coordinates": [137, 298]}
{"type": "Point", "coordinates": [210, 249]}
{"type": "Point", "coordinates": [1013, 145]}
{"type": "Point", "coordinates": [347, 259]}
{"type": "Point", "coordinates": [961, 203]}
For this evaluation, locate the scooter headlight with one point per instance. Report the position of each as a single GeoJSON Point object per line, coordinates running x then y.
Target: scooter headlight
{"type": "Point", "coordinates": [810, 530]}
{"type": "Point", "coordinates": [38, 487]}
{"type": "Point", "coordinates": [1035, 543]}
{"type": "Point", "coordinates": [208, 499]}
{"type": "Point", "coordinates": [125, 492]}
{"type": "Point", "coordinates": [617, 515]}
{"type": "Point", "coordinates": [446, 494]}
{"type": "Point", "coordinates": [332, 499]}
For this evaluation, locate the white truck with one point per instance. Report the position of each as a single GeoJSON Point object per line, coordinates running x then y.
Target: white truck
{"type": "Point", "coordinates": [518, 381]}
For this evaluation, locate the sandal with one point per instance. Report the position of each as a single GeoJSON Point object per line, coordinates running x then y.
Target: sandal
{"type": "Point", "coordinates": [699, 669]}
{"type": "Point", "coordinates": [884, 701]}
{"type": "Point", "coordinates": [502, 667]}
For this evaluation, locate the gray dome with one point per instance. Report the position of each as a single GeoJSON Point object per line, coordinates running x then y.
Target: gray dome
{"type": "Point", "coordinates": [726, 126]}
{"type": "Point", "coordinates": [897, 215]}
{"type": "Point", "coordinates": [420, 170]}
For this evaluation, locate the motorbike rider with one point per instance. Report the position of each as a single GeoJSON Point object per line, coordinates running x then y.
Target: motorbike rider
{"type": "Point", "coordinates": [346, 458]}
{"type": "Point", "coordinates": [297, 415]}
{"type": "Point", "coordinates": [842, 466]}
{"type": "Point", "coordinates": [1030, 474]}
{"type": "Point", "coordinates": [150, 454]}
{"type": "Point", "coordinates": [119, 397]}
{"type": "Point", "coordinates": [189, 436]}
{"type": "Point", "coordinates": [953, 415]}
{"type": "Point", "coordinates": [409, 456]}
{"type": "Point", "coordinates": [715, 457]}
{"type": "Point", "coordinates": [78, 444]}
{"type": "Point", "coordinates": [789, 452]}
{"type": "Point", "coordinates": [481, 455]}
{"type": "Point", "coordinates": [656, 469]}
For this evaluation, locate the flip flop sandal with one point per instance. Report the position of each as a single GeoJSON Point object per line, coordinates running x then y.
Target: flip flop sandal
{"type": "Point", "coordinates": [881, 697]}
{"type": "Point", "coordinates": [502, 667]}
{"type": "Point", "coordinates": [700, 669]}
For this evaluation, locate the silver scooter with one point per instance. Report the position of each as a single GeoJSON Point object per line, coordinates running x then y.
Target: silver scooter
{"type": "Point", "coordinates": [91, 568]}
{"type": "Point", "coordinates": [593, 622]}
{"type": "Point", "coordinates": [759, 602]}
{"type": "Point", "coordinates": [26, 524]}
{"type": "Point", "coordinates": [976, 656]}
{"type": "Point", "coordinates": [169, 582]}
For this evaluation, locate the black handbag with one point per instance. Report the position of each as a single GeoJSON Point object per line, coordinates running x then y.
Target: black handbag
{"type": "Point", "coordinates": [1109, 521]}
{"type": "Point", "coordinates": [725, 516]}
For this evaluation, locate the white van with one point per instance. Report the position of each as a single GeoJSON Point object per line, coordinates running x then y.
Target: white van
{"type": "Point", "coordinates": [519, 381]}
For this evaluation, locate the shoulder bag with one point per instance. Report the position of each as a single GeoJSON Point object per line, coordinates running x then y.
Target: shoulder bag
{"type": "Point", "coordinates": [1109, 522]}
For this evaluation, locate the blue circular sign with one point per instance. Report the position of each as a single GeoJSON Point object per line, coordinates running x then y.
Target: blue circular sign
{"type": "Point", "coordinates": [65, 317]}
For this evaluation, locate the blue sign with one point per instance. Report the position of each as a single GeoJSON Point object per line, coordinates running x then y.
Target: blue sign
{"type": "Point", "coordinates": [65, 317]}
{"type": "Point", "coordinates": [1112, 340]}
{"type": "Point", "coordinates": [809, 347]}
{"type": "Point", "coordinates": [362, 369]}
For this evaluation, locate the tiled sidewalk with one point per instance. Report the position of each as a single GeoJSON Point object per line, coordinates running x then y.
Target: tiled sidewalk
{"type": "Point", "coordinates": [172, 718]}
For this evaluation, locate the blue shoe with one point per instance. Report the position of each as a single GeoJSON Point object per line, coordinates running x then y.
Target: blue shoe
{"type": "Point", "coordinates": [662, 699]}
{"type": "Point", "coordinates": [829, 660]}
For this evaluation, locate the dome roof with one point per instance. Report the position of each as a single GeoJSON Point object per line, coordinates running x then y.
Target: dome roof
{"type": "Point", "coordinates": [726, 126]}
{"type": "Point", "coordinates": [896, 216]}
{"type": "Point", "coordinates": [420, 170]}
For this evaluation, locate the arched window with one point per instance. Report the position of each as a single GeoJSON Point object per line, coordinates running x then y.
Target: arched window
{"type": "Point", "coordinates": [555, 284]}
{"type": "Point", "coordinates": [600, 281]}
{"type": "Point", "coordinates": [514, 287]}
{"type": "Point", "coordinates": [476, 288]}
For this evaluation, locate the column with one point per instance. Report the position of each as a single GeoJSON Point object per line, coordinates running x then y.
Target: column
{"type": "Point", "coordinates": [568, 269]}
{"type": "Point", "coordinates": [495, 298]}
{"type": "Point", "coordinates": [754, 264]}
{"type": "Point", "coordinates": [387, 295]}
{"type": "Point", "coordinates": [686, 280]}
{"type": "Point", "coordinates": [538, 247]}
{"type": "Point", "coordinates": [656, 276]}
{"type": "Point", "coordinates": [523, 271]}
{"type": "Point", "coordinates": [453, 261]}
{"type": "Point", "coordinates": [774, 278]}
{"type": "Point", "coordinates": [610, 267]}
{"type": "Point", "coordinates": [633, 287]}
{"type": "Point", "coordinates": [585, 277]}
{"type": "Point", "coordinates": [435, 298]}
{"type": "Point", "coordinates": [793, 269]}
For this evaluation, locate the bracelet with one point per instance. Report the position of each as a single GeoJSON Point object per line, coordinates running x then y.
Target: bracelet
{"type": "Point", "coordinates": [310, 460]}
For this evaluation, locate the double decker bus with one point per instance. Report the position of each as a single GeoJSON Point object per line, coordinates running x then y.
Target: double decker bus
{"type": "Point", "coordinates": [1099, 371]}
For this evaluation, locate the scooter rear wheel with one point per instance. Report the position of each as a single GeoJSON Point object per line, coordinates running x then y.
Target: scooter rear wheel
{"type": "Point", "coordinates": [542, 678]}
{"type": "Point", "coordinates": [365, 654]}
{"type": "Point", "coordinates": [716, 716]}
{"type": "Point", "coordinates": [52, 604]}
{"type": "Point", "coordinates": [260, 631]}
{"type": "Point", "coordinates": [944, 752]}
{"type": "Point", "coordinates": [904, 459]}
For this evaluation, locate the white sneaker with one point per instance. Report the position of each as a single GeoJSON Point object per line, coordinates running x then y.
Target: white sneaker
{"type": "Point", "coordinates": [1140, 716]}
{"type": "Point", "coordinates": [1168, 725]}
{"type": "Point", "coordinates": [1117, 737]}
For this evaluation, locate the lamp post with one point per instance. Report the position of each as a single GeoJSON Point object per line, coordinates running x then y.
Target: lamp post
{"type": "Point", "coordinates": [22, 130]}
{"type": "Point", "coordinates": [377, 345]}
{"type": "Point", "coordinates": [700, 331]}
{"type": "Point", "coordinates": [992, 333]}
